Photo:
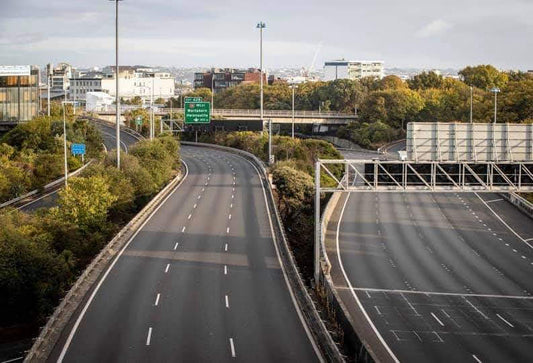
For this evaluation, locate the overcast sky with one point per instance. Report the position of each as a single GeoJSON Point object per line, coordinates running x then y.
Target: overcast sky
{"type": "Point", "coordinates": [407, 33]}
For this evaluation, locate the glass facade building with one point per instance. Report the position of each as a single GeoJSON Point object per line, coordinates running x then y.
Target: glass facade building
{"type": "Point", "coordinates": [19, 97]}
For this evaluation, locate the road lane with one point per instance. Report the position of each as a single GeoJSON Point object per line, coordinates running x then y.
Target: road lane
{"type": "Point", "coordinates": [215, 257]}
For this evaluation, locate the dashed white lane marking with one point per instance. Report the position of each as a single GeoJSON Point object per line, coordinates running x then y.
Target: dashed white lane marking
{"type": "Point", "coordinates": [189, 217]}
{"type": "Point", "coordinates": [227, 230]}
{"type": "Point", "coordinates": [231, 205]}
{"type": "Point", "coordinates": [226, 247]}
{"type": "Point", "coordinates": [166, 269]}
{"type": "Point", "coordinates": [377, 309]}
{"type": "Point", "coordinates": [203, 189]}
{"type": "Point", "coordinates": [149, 337]}
{"type": "Point", "coordinates": [157, 299]}
{"type": "Point", "coordinates": [176, 246]}
{"type": "Point", "coordinates": [183, 229]}
{"type": "Point", "coordinates": [227, 301]}
{"type": "Point", "coordinates": [233, 355]}
{"type": "Point", "coordinates": [225, 269]}
{"type": "Point", "coordinates": [232, 196]}
{"type": "Point", "coordinates": [476, 309]}
{"type": "Point", "coordinates": [494, 200]}
{"type": "Point", "coordinates": [195, 205]}
{"type": "Point", "coordinates": [199, 196]}
{"type": "Point", "coordinates": [410, 305]}
{"type": "Point", "coordinates": [505, 321]}
{"type": "Point", "coordinates": [229, 217]}
{"type": "Point", "coordinates": [438, 320]}
{"type": "Point", "coordinates": [476, 358]}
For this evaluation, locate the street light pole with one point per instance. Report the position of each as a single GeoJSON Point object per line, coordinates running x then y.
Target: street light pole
{"type": "Point", "coordinates": [496, 90]}
{"type": "Point", "coordinates": [65, 143]}
{"type": "Point", "coordinates": [293, 89]}
{"type": "Point", "coordinates": [152, 129]}
{"type": "Point", "coordinates": [48, 104]}
{"type": "Point", "coordinates": [471, 102]}
{"type": "Point", "coordinates": [117, 97]}
{"type": "Point", "coordinates": [212, 90]}
{"type": "Point", "coordinates": [269, 141]}
{"type": "Point", "coordinates": [261, 25]}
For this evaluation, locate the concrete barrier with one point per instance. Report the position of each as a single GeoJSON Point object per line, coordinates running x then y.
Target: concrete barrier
{"type": "Point", "coordinates": [521, 203]}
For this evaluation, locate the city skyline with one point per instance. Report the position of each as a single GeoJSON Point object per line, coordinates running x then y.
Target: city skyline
{"type": "Point", "coordinates": [411, 34]}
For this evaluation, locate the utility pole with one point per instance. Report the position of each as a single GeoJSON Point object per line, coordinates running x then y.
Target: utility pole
{"type": "Point", "coordinates": [212, 91]}
{"type": "Point", "coordinates": [261, 25]}
{"type": "Point", "coordinates": [48, 104]}
{"type": "Point", "coordinates": [65, 143]}
{"type": "Point", "coordinates": [152, 129]}
{"type": "Point", "coordinates": [318, 227]}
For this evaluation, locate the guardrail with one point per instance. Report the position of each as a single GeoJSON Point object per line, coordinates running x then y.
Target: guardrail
{"type": "Point", "coordinates": [317, 327]}
{"type": "Point", "coordinates": [45, 188]}
{"type": "Point", "coordinates": [55, 325]}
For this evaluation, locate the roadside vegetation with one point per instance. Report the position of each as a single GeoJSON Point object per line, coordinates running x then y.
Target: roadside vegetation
{"type": "Point", "coordinates": [292, 174]}
{"type": "Point", "coordinates": [31, 154]}
{"type": "Point", "coordinates": [42, 254]}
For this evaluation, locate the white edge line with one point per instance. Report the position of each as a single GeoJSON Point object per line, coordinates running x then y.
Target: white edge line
{"type": "Point", "coordinates": [501, 220]}
{"type": "Point", "coordinates": [91, 298]}
{"type": "Point", "coordinates": [295, 303]}
{"type": "Point", "coordinates": [352, 289]}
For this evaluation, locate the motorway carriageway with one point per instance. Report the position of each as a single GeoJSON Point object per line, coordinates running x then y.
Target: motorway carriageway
{"type": "Point", "coordinates": [201, 281]}
{"type": "Point", "coordinates": [442, 277]}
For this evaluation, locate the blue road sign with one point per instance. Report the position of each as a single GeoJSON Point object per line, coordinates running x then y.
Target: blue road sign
{"type": "Point", "coordinates": [78, 149]}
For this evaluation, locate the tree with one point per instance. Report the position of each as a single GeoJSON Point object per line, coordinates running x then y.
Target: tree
{"type": "Point", "coordinates": [392, 82]}
{"type": "Point", "coordinates": [85, 202]}
{"type": "Point", "coordinates": [484, 77]}
{"type": "Point", "coordinates": [426, 80]}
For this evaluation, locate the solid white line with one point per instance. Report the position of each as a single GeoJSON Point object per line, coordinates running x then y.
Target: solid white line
{"type": "Point", "coordinates": [149, 337]}
{"type": "Point", "coordinates": [176, 245]}
{"type": "Point", "coordinates": [166, 269]}
{"type": "Point", "coordinates": [438, 320]}
{"type": "Point", "coordinates": [227, 301]}
{"type": "Point", "coordinates": [494, 200]}
{"type": "Point", "coordinates": [157, 299]}
{"type": "Point", "coordinates": [225, 270]}
{"type": "Point", "coordinates": [387, 348]}
{"type": "Point", "coordinates": [233, 355]}
{"type": "Point", "coordinates": [505, 321]}
{"type": "Point", "coordinates": [501, 220]}
{"type": "Point", "coordinates": [91, 298]}
{"type": "Point", "coordinates": [476, 358]}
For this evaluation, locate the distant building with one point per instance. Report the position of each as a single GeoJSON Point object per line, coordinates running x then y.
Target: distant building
{"type": "Point", "coordinates": [98, 101]}
{"type": "Point", "coordinates": [342, 69]}
{"type": "Point", "coordinates": [19, 93]}
{"type": "Point", "coordinates": [80, 87]}
{"type": "Point", "coordinates": [59, 77]}
{"type": "Point", "coordinates": [219, 79]}
{"type": "Point", "coordinates": [140, 82]}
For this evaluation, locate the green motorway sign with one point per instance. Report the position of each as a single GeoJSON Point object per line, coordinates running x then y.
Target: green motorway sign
{"type": "Point", "coordinates": [139, 121]}
{"type": "Point", "coordinates": [197, 112]}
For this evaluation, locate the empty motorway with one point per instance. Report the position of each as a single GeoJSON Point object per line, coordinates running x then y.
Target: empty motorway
{"type": "Point", "coordinates": [442, 277]}
{"type": "Point", "coordinates": [201, 280]}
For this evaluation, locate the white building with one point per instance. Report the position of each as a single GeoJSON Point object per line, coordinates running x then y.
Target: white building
{"type": "Point", "coordinates": [343, 69]}
{"type": "Point", "coordinates": [145, 85]}
{"type": "Point", "coordinates": [98, 101]}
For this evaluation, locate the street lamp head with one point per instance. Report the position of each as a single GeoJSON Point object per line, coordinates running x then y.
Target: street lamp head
{"type": "Point", "coordinates": [261, 25]}
{"type": "Point", "coordinates": [495, 90]}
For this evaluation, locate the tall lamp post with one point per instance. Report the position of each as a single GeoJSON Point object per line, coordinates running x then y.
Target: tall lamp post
{"type": "Point", "coordinates": [212, 90]}
{"type": "Point", "coordinates": [65, 139]}
{"type": "Point", "coordinates": [293, 87]}
{"type": "Point", "coordinates": [495, 90]}
{"type": "Point", "coordinates": [471, 103]}
{"type": "Point", "coordinates": [117, 97]}
{"type": "Point", "coordinates": [261, 25]}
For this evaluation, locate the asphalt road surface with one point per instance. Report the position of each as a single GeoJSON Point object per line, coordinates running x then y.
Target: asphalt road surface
{"type": "Point", "coordinates": [200, 282]}
{"type": "Point", "coordinates": [443, 277]}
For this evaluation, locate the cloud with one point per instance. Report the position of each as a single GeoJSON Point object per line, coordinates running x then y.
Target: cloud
{"type": "Point", "coordinates": [436, 27]}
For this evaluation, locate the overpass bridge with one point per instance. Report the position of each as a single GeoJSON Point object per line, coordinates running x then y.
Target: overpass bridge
{"type": "Point", "coordinates": [253, 116]}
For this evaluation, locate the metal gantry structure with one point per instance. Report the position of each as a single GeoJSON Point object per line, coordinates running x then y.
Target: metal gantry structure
{"type": "Point", "coordinates": [420, 177]}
